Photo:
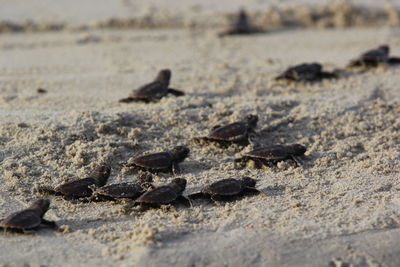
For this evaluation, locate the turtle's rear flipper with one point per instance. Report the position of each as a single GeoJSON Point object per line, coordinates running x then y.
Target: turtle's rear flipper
{"type": "Point", "coordinates": [394, 60]}
{"type": "Point", "coordinates": [175, 92]}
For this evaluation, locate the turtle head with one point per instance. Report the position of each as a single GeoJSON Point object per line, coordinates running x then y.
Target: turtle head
{"type": "Point", "coordinates": [164, 76]}
{"type": "Point", "coordinates": [180, 153]}
{"type": "Point", "coordinates": [251, 120]}
{"type": "Point", "coordinates": [248, 182]}
{"type": "Point", "coordinates": [242, 15]}
{"type": "Point", "coordinates": [180, 183]}
{"type": "Point", "coordinates": [384, 48]}
{"type": "Point", "coordinates": [101, 174]}
{"type": "Point", "coordinates": [241, 21]}
{"type": "Point", "coordinates": [41, 204]}
{"type": "Point", "coordinates": [298, 150]}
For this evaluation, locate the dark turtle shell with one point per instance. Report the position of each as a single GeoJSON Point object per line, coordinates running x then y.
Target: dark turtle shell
{"type": "Point", "coordinates": [84, 187]}
{"type": "Point", "coordinates": [156, 161]}
{"type": "Point", "coordinates": [122, 190]}
{"type": "Point", "coordinates": [164, 194]}
{"type": "Point", "coordinates": [154, 90]}
{"type": "Point", "coordinates": [303, 71]}
{"type": "Point", "coordinates": [160, 195]}
{"type": "Point", "coordinates": [225, 187]}
{"type": "Point", "coordinates": [277, 152]}
{"type": "Point", "coordinates": [79, 188]}
{"type": "Point", "coordinates": [240, 26]}
{"type": "Point", "coordinates": [149, 91]}
{"type": "Point", "coordinates": [236, 131]}
{"type": "Point", "coordinates": [27, 219]}
{"type": "Point", "coordinates": [380, 54]}
{"type": "Point", "coordinates": [373, 57]}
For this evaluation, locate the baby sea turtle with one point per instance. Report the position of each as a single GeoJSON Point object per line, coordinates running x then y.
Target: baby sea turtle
{"type": "Point", "coordinates": [153, 91]}
{"type": "Point", "coordinates": [306, 72]}
{"type": "Point", "coordinates": [375, 57]}
{"type": "Point", "coordinates": [163, 195]}
{"type": "Point", "coordinates": [274, 154]}
{"type": "Point", "coordinates": [123, 190]}
{"type": "Point", "coordinates": [240, 132]}
{"type": "Point", "coordinates": [240, 26]}
{"type": "Point", "coordinates": [81, 188]}
{"type": "Point", "coordinates": [28, 219]}
{"type": "Point", "coordinates": [227, 189]}
{"type": "Point", "coordinates": [167, 161]}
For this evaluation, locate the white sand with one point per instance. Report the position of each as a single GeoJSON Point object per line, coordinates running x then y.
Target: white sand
{"type": "Point", "coordinates": [342, 205]}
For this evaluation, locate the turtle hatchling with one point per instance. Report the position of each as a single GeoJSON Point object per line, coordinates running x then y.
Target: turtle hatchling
{"type": "Point", "coordinates": [375, 57]}
{"type": "Point", "coordinates": [163, 195]}
{"type": "Point", "coordinates": [83, 187]}
{"type": "Point", "coordinates": [272, 154]}
{"type": "Point", "coordinates": [306, 72]}
{"type": "Point", "coordinates": [241, 26]}
{"type": "Point", "coordinates": [240, 132]}
{"type": "Point", "coordinates": [131, 190]}
{"type": "Point", "coordinates": [167, 161]}
{"type": "Point", "coordinates": [153, 91]}
{"type": "Point", "coordinates": [227, 189]}
{"type": "Point", "coordinates": [28, 219]}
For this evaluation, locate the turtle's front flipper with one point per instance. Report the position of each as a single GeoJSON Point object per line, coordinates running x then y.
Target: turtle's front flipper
{"type": "Point", "coordinates": [218, 200]}
{"type": "Point", "coordinates": [51, 224]}
{"type": "Point", "coordinates": [176, 170]}
{"type": "Point", "coordinates": [175, 92]}
{"type": "Point", "coordinates": [394, 60]}
{"type": "Point", "coordinates": [185, 201]}
{"type": "Point", "coordinates": [298, 160]}
{"type": "Point", "coordinates": [252, 139]}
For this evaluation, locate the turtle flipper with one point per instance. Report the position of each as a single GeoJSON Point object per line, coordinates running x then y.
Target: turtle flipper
{"type": "Point", "coordinates": [218, 200]}
{"type": "Point", "coordinates": [176, 170]}
{"type": "Point", "coordinates": [215, 127]}
{"type": "Point", "coordinates": [175, 92]}
{"type": "Point", "coordinates": [298, 160]}
{"type": "Point", "coordinates": [127, 100]}
{"type": "Point", "coordinates": [327, 75]}
{"type": "Point", "coordinates": [51, 224]}
{"type": "Point", "coordinates": [198, 195]}
{"type": "Point", "coordinates": [394, 60]}
{"type": "Point", "coordinates": [185, 201]}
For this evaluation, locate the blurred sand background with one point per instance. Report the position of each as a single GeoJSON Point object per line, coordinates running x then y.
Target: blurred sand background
{"type": "Point", "coordinates": [340, 209]}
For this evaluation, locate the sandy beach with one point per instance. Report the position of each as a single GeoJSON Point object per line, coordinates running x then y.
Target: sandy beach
{"type": "Point", "coordinates": [341, 208]}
